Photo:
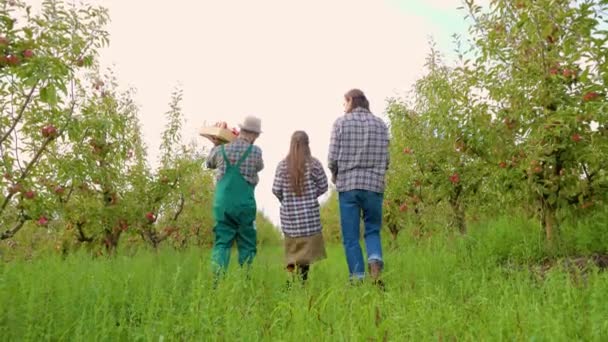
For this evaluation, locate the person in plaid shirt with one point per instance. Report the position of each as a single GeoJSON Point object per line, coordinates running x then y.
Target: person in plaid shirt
{"type": "Point", "coordinates": [234, 207]}
{"type": "Point", "coordinates": [299, 180]}
{"type": "Point", "coordinates": [358, 160]}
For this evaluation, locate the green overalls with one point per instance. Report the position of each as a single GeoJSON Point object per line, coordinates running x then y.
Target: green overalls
{"type": "Point", "coordinates": [234, 209]}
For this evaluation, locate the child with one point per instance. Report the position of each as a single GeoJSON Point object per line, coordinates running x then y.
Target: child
{"type": "Point", "coordinates": [299, 181]}
{"type": "Point", "coordinates": [234, 207]}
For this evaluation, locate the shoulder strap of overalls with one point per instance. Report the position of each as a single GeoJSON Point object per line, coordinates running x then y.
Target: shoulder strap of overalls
{"type": "Point", "coordinates": [226, 160]}
{"type": "Point", "coordinates": [245, 155]}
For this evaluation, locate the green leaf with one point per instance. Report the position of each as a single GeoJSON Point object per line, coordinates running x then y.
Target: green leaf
{"type": "Point", "coordinates": [48, 94]}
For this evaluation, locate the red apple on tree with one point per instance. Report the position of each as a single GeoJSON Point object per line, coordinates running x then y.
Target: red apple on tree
{"type": "Point", "coordinates": [59, 190]}
{"type": "Point", "coordinates": [12, 59]}
{"type": "Point", "coordinates": [568, 73]}
{"type": "Point", "coordinates": [407, 150]}
{"type": "Point", "coordinates": [403, 207]}
{"type": "Point", "coordinates": [28, 53]}
{"type": "Point", "coordinates": [49, 131]}
{"type": "Point", "coordinates": [455, 178]}
{"type": "Point", "coordinates": [576, 137]}
{"type": "Point", "coordinates": [502, 164]}
{"type": "Point", "coordinates": [42, 221]}
{"type": "Point", "coordinates": [150, 217]}
{"type": "Point", "coordinates": [590, 96]}
{"type": "Point", "coordinates": [30, 194]}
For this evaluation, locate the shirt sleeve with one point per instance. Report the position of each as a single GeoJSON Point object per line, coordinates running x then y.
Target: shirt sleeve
{"type": "Point", "coordinates": [334, 149]}
{"type": "Point", "coordinates": [260, 162]}
{"type": "Point", "coordinates": [388, 144]}
{"type": "Point", "coordinates": [277, 184]}
{"type": "Point", "coordinates": [319, 178]}
{"type": "Point", "coordinates": [211, 163]}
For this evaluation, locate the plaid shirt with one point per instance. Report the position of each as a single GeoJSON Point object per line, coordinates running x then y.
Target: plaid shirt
{"type": "Point", "coordinates": [300, 215]}
{"type": "Point", "coordinates": [358, 152]}
{"type": "Point", "coordinates": [234, 150]}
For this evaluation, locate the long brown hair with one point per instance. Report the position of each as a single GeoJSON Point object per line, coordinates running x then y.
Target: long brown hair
{"type": "Point", "coordinates": [356, 98]}
{"type": "Point", "coordinates": [299, 155]}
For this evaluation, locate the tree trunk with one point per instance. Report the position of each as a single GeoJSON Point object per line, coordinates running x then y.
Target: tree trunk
{"type": "Point", "coordinates": [392, 228]}
{"type": "Point", "coordinates": [459, 221]}
{"type": "Point", "coordinates": [549, 222]}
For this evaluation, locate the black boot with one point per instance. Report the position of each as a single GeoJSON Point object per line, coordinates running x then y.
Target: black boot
{"type": "Point", "coordinates": [303, 272]}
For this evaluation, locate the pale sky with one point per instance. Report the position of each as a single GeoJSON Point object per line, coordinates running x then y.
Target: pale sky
{"type": "Point", "coordinates": [287, 62]}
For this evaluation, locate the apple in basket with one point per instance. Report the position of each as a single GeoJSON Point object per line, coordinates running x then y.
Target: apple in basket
{"type": "Point", "coordinates": [220, 132]}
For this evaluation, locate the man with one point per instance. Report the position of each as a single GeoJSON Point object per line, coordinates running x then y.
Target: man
{"type": "Point", "coordinates": [234, 208]}
{"type": "Point", "coordinates": [358, 160]}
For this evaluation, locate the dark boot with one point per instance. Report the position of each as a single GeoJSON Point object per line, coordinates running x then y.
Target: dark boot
{"type": "Point", "coordinates": [375, 271]}
{"type": "Point", "coordinates": [303, 272]}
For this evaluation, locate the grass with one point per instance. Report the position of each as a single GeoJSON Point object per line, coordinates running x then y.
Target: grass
{"type": "Point", "coordinates": [437, 289]}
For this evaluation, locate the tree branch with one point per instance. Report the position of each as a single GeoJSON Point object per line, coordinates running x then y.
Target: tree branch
{"type": "Point", "coordinates": [9, 233]}
{"type": "Point", "coordinates": [28, 99]}
{"type": "Point", "coordinates": [34, 161]}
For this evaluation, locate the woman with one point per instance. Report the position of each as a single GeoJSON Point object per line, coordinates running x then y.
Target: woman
{"type": "Point", "coordinates": [299, 181]}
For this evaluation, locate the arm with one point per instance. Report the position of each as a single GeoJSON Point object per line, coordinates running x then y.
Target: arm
{"type": "Point", "coordinates": [260, 161]}
{"type": "Point", "coordinates": [211, 163]}
{"type": "Point", "coordinates": [334, 149]}
{"type": "Point", "coordinates": [319, 178]}
{"type": "Point", "coordinates": [388, 153]}
{"type": "Point", "coordinates": [277, 185]}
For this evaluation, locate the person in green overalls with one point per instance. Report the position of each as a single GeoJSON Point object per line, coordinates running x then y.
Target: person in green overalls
{"type": "Point", "coordinates": [234, 208]}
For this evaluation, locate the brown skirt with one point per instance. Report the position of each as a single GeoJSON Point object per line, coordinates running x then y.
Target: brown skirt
{"type": "Point", "coordinates": [304, 250]}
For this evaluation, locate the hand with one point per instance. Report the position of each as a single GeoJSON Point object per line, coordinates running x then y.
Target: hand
{"type": "Point", "coordinates": [215, 141]}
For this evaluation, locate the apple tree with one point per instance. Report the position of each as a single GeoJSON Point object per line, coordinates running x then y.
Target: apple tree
{"type": "Point", "coordinates": [544, 74]}
{"type": "Point", "coordinates": [438, 150]}
{"type": "Point", "coordinates": [41, 56]}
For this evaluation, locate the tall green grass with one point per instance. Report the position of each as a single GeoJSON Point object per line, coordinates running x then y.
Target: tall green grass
{"type": "Point", "coordinates": [440, 288]}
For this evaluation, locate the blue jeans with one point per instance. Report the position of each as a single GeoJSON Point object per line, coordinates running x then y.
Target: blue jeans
{"type": "Point", "coordinates": [352, 204]}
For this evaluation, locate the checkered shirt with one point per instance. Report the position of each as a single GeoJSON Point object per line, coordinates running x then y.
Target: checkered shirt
{"type": "Point", "coordinates": [358, 152]}
{"type": "Point", "coordinates": [234, 150]}
{"type": "Point", "coordinates": [300, 215]}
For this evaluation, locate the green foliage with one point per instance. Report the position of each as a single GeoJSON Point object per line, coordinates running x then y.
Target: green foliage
{"type": "Point", "coordinates": [437, 289]}
{"type": "Point", "coordinates": [516, 126]}
{"type": "Point", "coordinates": [330, 218]}
{"type": "Point", "coordinates": [267, 233]}
{"type": "Point", "coordinates": [71, 151]}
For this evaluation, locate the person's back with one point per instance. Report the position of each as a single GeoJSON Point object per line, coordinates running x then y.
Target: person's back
{"type": "Point", "coordinates": [358, 160]}
{"type": "Point", "coordinates": [299, 180]}
{"type": "Point", "coordinates": [250, 167]}
{"type": "Point", "coordinates": [362, 155]}
{"type": "Point", "coordinates": [300, 212]}
{"type": "Point", "coordinates": [234, 205]}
